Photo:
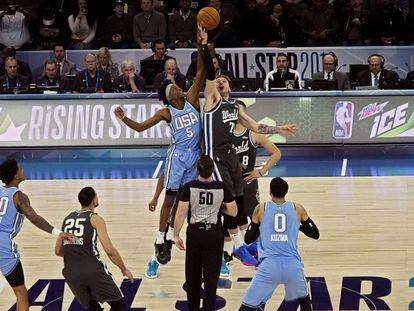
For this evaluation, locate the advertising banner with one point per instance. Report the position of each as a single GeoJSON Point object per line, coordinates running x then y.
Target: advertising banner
{"type": "Point", "coordinates": [92, 123]}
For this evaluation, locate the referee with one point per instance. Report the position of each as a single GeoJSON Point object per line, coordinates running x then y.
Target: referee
{"type": "Point", "coordinates": [202, 201]}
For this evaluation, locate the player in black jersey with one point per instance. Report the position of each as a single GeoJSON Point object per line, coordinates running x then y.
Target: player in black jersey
{"type": "Point", "coordinates": [246, 142]}
{"type": "Point", "coordinates": [221, 113]}
{"type": "Point", "coordinates": [87, 276]}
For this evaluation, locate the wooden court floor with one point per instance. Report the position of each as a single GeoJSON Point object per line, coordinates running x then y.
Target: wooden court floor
{"type": "Point", "coordinates": [363, 260]}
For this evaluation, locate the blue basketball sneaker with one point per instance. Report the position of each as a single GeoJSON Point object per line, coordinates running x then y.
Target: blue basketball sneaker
{"type": "Point", "coordinates": [224, 271]}
{"type": "Point", "coordinates": [244, 256]}
{"type": "Point", "coordinates": [152, 269]}
{"type": "Point", "coordinates": [252, 248]}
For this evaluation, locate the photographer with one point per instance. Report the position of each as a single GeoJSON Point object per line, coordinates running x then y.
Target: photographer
{"type": "Point", "coordinates": [14, 27]}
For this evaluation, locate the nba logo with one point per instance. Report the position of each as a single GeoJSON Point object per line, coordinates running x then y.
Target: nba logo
{"type": "Point", "coordinates": [343, 120]}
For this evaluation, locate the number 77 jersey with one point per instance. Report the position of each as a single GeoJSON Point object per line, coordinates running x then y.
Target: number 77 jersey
{"type": "Point", "coordinates": [279, 230]}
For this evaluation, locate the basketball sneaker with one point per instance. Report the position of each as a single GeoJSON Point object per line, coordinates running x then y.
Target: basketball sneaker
{"type": "Point", "coordinates": [224, 270]}
{"type": "Point", "coordinates": [152, 269]}
{"type": "Point", "coordinates": [252, 248]}
{"type": "Point", "coordinates": [160, 253]}
{"type": "Point", "coordinates": [168, 246]}
{"type": "Point", "coordinates": [228, 257]}
{"type": "Point", "coordinates": [244, 256]}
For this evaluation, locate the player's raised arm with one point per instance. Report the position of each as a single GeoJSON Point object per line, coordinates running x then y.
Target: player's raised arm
{"type": "Point", "coordinates": [307, 226]}
{"type": "Point", "coordinates": [160, 115]}
{"type": "Point", "coordinates": [193, 94]}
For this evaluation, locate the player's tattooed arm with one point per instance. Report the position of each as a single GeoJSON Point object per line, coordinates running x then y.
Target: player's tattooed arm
{"type": "Point", "coordinates": [23, 204]}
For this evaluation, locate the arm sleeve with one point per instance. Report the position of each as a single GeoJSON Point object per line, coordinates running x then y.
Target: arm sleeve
{"type": "Point", "coordinates": [208, 63]}
{"type": "Point", "coordinates": [309, 228]}
{"type": "Point", "coordinates": [252, 233]}
{"type": "Point", "coordinates": [185, 193]}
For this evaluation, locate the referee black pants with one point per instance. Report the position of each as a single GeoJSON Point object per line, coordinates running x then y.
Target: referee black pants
{"type": "Point", "coordinates": [203, 260]}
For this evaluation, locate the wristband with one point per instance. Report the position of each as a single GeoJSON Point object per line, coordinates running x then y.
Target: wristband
{"type": "Point", "coordinates": [56, 232]}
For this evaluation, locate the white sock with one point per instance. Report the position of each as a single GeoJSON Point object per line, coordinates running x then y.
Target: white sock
{"type": "Point", "coordinates": [242, 233]}
{"type": "Point", "coordinates": [170, 233]}
{"type": "Point", "coordinates": [237, 240]}
{"type": "Point", "coordinates": [160, 238]}
{"type": "Point", "coordinates": [228, 247]}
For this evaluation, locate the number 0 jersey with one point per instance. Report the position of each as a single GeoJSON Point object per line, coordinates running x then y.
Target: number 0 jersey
{"type": "Point", "coordinates": [279, 231]}
{"type": "Point", "coordinates": [79, 223]}
{"type": "Point", "coordinates": [245, 149]}
{"type": "Point", "coordinates": [185, 127]}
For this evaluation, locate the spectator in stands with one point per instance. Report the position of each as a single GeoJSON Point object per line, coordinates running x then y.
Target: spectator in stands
{"type": "Point", "coordinates": [353, 19]}
{"type": "Point", "coordinates": [410, 25]}
{"type": "Point", "coordinates": [253, 25]}
{"type": "Point", "coordinates": [12, 79]}
{"type": "Point", "coordinates": [281, 29]}
{"type": "Point", "coordinates": [410, 76]}
{"type": "Point", "coordinates": [49, 31]}
{"type": "Point", "coordinates": [117, 29]}
{"type": "Point", "coordinates": [129, 81]}
{"type": "Point", "coordinates": [51, 78]}
{"type": "Point", "coordinates": [376, 75]}
{"type": "Point", "coordinates": [64, 66]}
{"type": "Point", "coordinates": [148, 25]}
{"type": "Point", "coordinates": [224, 34]}
{"type": "Point", "coordinates": [22, 67]}
{"type": "Point", "coordinates": [192, 69]}
{"type": "Point", "coordinates": [83, 27]}
{"type": "Point", "coordinates": [105, 63]}
{"type": "Point", "coordinates": [155, 63]}
{"type": "Point", "coordinates": [14, 27]}
{"type": "Point", "coordinates": [386, 24]}
{"type": "Point", "coordinates": [219, 66]}
{"type": "Point", "coordinates": [330, 64]}
{"type": "Point", "coordinates": [319, 24]}
{"type": "Point", "coordinates": [171, 73]}
{"type": "Point", "coordinates": [282, 77]}
{"type": "Point", "coordinates": [182, 27]}
{"type": "Point", "coordinates": [92, 79]}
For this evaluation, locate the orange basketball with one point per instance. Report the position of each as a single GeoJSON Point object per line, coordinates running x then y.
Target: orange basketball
{"type": "Point", "coordinates": [208, 17]}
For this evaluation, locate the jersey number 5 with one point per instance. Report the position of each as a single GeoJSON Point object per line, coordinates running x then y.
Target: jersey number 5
{"type": "Point", "coordinates": [280, 222]}
{"type": "Point", "coordinates": [74, 226]}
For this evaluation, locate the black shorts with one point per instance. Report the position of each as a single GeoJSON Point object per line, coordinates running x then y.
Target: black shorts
{"type": "Point", "coordinates": [251, 196]}
{"type": "Point", "coordinates": [16, 277]}
{"type": "Point", "coordinates": [228, 171]}
{"type": "Point", "coordinates": [95, 283]}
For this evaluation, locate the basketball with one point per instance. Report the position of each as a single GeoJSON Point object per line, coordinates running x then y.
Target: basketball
{"type": "Point", "coordinates": [209, 18]}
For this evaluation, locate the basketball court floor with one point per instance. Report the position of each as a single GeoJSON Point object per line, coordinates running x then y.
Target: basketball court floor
{"type": "Point", "coordinates": [364, 259]}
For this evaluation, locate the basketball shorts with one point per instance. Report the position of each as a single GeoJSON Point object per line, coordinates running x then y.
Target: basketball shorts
{"type": "Point", "coordinates": [272, 272]}
{"type": "Point", "coordinates": [180, 167]}
{"type": "Point", "coordinates": [251, 196]}
{"type": "Point", "coordinates": [92, 281]}
{"type": "Point", "coordinates": [228, 171]}
{"type": "Point", "coordinates": [9, 255]}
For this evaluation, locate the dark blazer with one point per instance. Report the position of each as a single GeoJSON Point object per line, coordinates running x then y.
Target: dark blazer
{"type": "Point", "coordinates": [19, 81]}
{"type": "Point", "coordinates": [179, 78]}
{"type": "Point", "coordinates": [388, 79]}
{"type": "Point", "coordinates": [343, 81]}
{"type": "Point", "coordinates": [69, 68]}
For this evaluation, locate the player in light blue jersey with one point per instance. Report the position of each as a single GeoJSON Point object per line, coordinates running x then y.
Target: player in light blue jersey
{"type": "Point", "coordinates": [277, 223]}
{"type": "Point", "coordinates": [182, 113]}
{"type": "Point", "coordinates": [14, 207]}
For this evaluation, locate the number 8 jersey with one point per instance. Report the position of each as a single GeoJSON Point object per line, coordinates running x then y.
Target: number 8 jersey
{"type": "Point", "coordinates": [279, 231]}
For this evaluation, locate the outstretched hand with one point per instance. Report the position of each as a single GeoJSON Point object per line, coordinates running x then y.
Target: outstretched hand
{"type": "Point", "coordinates": [201, 34]}
{"type": "Point", "coordinates": [119, 112]}
{"type": "Point", "coordinates": [288, 130]}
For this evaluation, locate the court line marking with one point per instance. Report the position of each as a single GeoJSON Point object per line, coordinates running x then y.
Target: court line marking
{"type": "Point", "coordinates": [344, 164]}
{"type": "Point", "coordinates": [157, 170]}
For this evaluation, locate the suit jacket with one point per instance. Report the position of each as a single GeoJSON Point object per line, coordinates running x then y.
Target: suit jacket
{"type": "Point", "coordinates": [179, 78]}
{"type": "Point", "coordinates": [343, 81]}
{"type": "Point", "coordinates": [388, 79]}
{"type": "Point", "coordinates": [69, 68]}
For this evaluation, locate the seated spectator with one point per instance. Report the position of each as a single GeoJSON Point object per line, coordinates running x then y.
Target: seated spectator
{"type": "Point", "coordinates": [83, 27]}
{"type": "Point", "coordinates": [148, 26]}
{"type": "Point", "coordinates": [49, 31]}
{"type": "Point", "coordinates": [282, 77]}
{"type": "Point", "coordinates": [92, 79]}
{"type": "Point", "coordinates": [129, 81]}
{"type": "Point", "coordinates": [219, 67]}
{"type": "Point", "coordinates": [410, 76]}
{"type": "Point", "coordinates": [172, 73]}
{"type": "Point", "coordinates": [14, 27]}
{"type": "Point", "coordinates": [281, 30]}
{"type": "Point", "coordinates": [330, 63]}
{"type": "Point", "coordinates": [319, 24]}
{"type": "Point", "coordinates": [117, 29]}
{"type": "Point", "coordinates": [64, 66]}
{"type": "Point", "coordinates": [51, 78]}
{"type": "Point", "coordinates": [192, 69]}
{"type": "Point", "coordinates": [154, 64]}
{"type": "Point", "coordinates": [353, 23]}
{"type": "Point", "coordinates": [105, 63]}
{"type": "Point", "coordinates": [182, 27]}
{"type": "Point", "coordinates": [376, 75]}
{"type": "Point", "coordinates": [386, 24]}
{"type": "Point", "coordinates": [224, 34]}
{"type": "Point", "coordinates": [22, 67]}
{"type": "Point", "coordinates": [12, 79]}
{"type": "Point", "coordinates": [253, 26]}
